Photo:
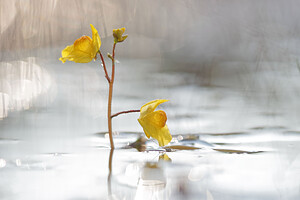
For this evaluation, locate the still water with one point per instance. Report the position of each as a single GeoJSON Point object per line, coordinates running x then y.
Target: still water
{"type": "Point", "coordinates": [243, 125]}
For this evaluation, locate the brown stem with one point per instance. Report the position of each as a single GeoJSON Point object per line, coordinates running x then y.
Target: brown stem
{"type": "Point", "coordinates": [104, 67]}
{"type": "Point", "coordinates": [124, 112]}
{"type": "Point", "coordinates": [109, 115]}
{"type": "Point", "coordinates": [111, 84]}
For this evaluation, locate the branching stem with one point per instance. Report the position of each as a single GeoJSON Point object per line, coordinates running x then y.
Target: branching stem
{"type": "Point", "coordinates": [104, 67]}
{"type": "Point", "coordinates": [124, 112]}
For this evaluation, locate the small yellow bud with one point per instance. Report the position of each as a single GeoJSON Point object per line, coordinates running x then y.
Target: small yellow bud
{"type": "Point", "coordinates": [118, 35]}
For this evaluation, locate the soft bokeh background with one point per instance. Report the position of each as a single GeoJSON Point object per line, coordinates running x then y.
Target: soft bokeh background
{"type": "Point", "coordinates": [226, 67]}
{"type": "Point", "coordinates": [247, 51]}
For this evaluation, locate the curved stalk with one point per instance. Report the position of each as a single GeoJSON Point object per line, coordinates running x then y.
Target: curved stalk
{"type": "Point", "coordinates": [104, 67]}
{"type": "Point", "coordinates": [124, 112]}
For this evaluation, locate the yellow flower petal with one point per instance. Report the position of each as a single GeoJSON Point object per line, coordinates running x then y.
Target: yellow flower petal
{"type": "Point", "coordinates": [162, 135]}
{"type": "Point", "coordinates": [154, 123]}
{"type": "Point", "coordinates": [157, 118]}
{"type": "Point", "coordinates": [83, 50]}
{"type": "Point", "coordinates": [84, 44]}
{"type": "Point", "coordinates": [123, 38]}
{"type": "Point", "coordinates": [146, 133]}
{"type": "Point", "coordinates": [151, 106]}
{"type": "Point", "coordinates": [96, 38]}
{"type": "Point", "coordinates": [66, 52]}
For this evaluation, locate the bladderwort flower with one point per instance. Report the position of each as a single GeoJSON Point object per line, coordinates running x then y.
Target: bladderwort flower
{"type": "Point", "coordinates": [83, 50]}
{"type": "Point", "coordinates": [154, 122]}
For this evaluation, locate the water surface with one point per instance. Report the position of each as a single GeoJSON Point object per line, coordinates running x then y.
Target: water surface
{"type": "Point", "coordinates": [53, 141]}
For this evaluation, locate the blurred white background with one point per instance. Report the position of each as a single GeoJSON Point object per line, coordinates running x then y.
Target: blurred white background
{"type": "Point", "coordinates": [237, 56]}
{"type": "Point", "coordinates": [226, 66]}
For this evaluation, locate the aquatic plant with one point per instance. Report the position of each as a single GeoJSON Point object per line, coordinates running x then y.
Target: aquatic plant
{"type": "Point", "coordinates": [84, 50]}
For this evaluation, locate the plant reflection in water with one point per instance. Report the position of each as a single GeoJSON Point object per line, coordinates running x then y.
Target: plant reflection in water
{"type": "Point", "coordinates": [151, 182]}
{"type": "Point", "coordinates": [111, 153]}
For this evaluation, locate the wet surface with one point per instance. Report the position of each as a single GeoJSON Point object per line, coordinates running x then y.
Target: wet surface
{"type": "Point", "coordinates": [228, 142]}
{"type": "Point", "coordinates": [246, 169]}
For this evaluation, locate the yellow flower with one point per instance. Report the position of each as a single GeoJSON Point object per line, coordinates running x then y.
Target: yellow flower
{"type": "Point", "coordinates": [154, 122]}
{"type": "Point", "coordinates": [83, 50]}
{"type": "Point", "coordinates": [118, 35]}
